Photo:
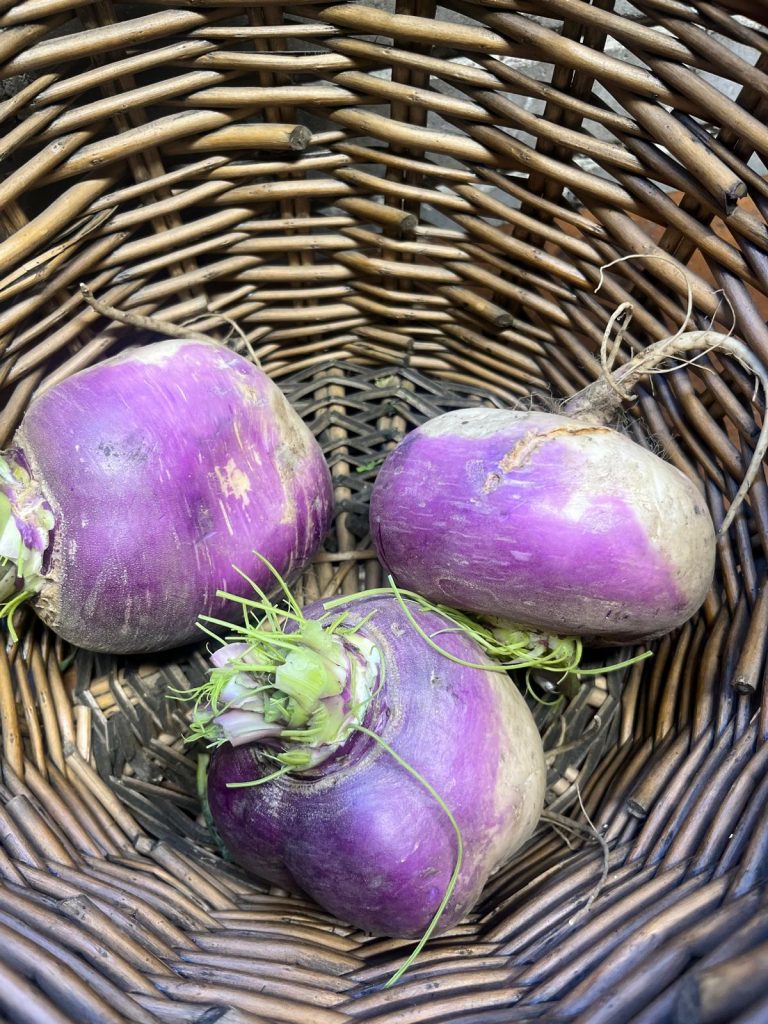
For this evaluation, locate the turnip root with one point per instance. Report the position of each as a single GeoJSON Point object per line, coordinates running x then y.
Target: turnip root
{"type": "Point", "coordinates": [553, 522]}
{"type": "Point", "coordinates": [131, 488]}
{"type": "Point", "coordinates": [357, 764]}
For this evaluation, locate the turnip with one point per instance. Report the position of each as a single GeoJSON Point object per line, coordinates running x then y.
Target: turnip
{"type": "Point", "coordinates": [553, 521]}
{"type": "Point", "coordinates": [131, 488]}
{"type": "Point", "coordinates": [357, 764]}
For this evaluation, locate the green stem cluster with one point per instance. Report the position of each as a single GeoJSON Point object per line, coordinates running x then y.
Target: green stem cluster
{"type": "Point", "coordinates": [302, 690]}
{"type": "Point", "coordinates": [510, 646]}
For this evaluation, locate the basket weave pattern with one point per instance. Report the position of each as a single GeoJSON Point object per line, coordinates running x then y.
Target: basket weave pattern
{"type": "Point", "coordinates": [398, 210]}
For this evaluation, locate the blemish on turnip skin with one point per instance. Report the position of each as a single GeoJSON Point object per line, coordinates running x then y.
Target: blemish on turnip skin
{"type": "Point", "coordinates": [517, 455]}
{"type": "Point", "coordinates": [234, 482]}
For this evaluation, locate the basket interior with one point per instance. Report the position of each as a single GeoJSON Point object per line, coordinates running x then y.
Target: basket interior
{"type": "Point", "coordinates": [397, 210]}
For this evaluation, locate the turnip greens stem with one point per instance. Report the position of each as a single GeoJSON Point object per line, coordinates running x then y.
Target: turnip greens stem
{"type": "Point", "coordinates": [307, 688]}
{"type": "Point", "coordinates": [512, 647]}
{"type": "Point", "coordinates": [459, 853]}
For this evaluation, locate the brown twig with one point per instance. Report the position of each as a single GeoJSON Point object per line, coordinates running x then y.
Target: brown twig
{"type": "Point", "coordinates": [142, 323]}
{"type": "Point", "coordinates": [560, 822]}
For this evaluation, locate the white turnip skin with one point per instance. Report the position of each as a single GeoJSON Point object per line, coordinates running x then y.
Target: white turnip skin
{"type": "Point", "coordinates": [356, 831]}
{"type": "Point", "coordinates": [132, 488]}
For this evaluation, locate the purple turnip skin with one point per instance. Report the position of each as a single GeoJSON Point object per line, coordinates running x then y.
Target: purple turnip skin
{"type": "Point", "coordinates": [543, 520]}
{"type": "Point", "coordinates": [358, 833]}
{"type": "Point", "coordinates": [163, 468]}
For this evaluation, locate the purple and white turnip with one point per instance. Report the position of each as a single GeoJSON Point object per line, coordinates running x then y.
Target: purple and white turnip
{"type": "Point", "coordinates": [552, 521]}
{"type": "Point", "coordinates": [132, 489]}
{"type": "Point", "coordinates": [357, 764]}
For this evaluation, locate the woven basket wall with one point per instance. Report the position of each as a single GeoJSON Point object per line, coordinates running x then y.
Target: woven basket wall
{"type": "Point", "coordinates": [398, 210]}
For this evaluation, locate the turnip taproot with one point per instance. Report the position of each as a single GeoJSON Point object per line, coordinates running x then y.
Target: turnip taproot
{"type": "Point", "coordinates": [131, 488]}
{"type": "Point", "coordinates": [357, 764]}
{"type": "Point", "coordinates": [552, 521]}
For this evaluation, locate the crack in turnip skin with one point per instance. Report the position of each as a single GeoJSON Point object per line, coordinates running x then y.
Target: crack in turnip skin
{"type": "Point", "coordinates": [361, 835]}
{"type": "Point", "coordinates": [545, 521]}
{"type": "Point", "coordinates": [165, 467]}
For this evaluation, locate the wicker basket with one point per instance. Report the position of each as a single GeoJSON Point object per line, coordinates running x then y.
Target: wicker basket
{"type": "Point", "coordinates": [398, 209]}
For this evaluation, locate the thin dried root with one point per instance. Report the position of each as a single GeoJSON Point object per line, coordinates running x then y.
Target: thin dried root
{"type": "Point", "coordinates": [599, 398]}
{"type": "Point", "coordinates": [142, 323]}
{"type": "Point", "coordinates": [600, 401]}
